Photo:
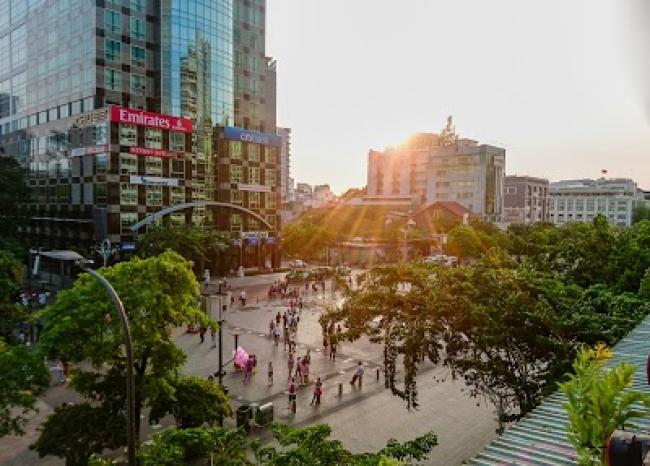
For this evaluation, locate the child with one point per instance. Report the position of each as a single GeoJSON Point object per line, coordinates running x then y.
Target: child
{"type": "Point", "coordinates": [270, 373]}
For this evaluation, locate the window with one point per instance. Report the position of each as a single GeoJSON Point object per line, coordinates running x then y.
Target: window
{"type": "Point", "coordinates": [128, 194]}
{"type": "Point", "coordinates": [271, 178]}
{"type": "Point", "coordinates": [137, 5]}
{"type": "Point", "coordinates": [113, 50]}
{"type": "Point", "coordinates": [101, 163]}
{"type": "Point", "coordinates": [176, 141]}
{"type": "Point", "coordinates": [128, 135]}
{"type": "Point", "coordinates": [254, 152]}
{"type": "Point", "coordinates": [253, 200]}
{"type": "Point", "coordinates": [178, 167]}
{"type": "Point", "coordinates": [128, 164]}
{"type": "Point", "coordinates": [113, 21]}
{"type": "Point", "coordinates": [271, 155]}
{"type": "Point", "coordinates": [153, 138]}
{"type": "Point", "coordinates": [254, 175]}
{"type": "Point", "coordinates": [138, 29]}
{"type": "Point", "coordinates": [511, 190]}
{"type": "Point", "coordinates": [153, 166]}
{"type": "Point", "coordinates": [126, 220]}
{"type": "Point", "coordinates": [235, 149]}
{"type": "Point", "coordinates": [138, 85]}
{"type": "Point", "coordinates": [100, 193]}
{"type": "Point", "coordinates": [236, 197]}
{"type": "Point", "coordinates": [177, 195]}
{"type": "Point", "coordinates": [138, 56]}
{"type": "Point", "coordinates": [270, 200]}
{"type": "Point", "coordinates": [235, 174]}
{"type": "Point", "coordinates": [253, 224]}
{"type": "Point", "coordinates": [113, 80]}
{"type": "Point", "coordinates": [235, 222]}
{"type": "Point", "coordinates": [154, 195]}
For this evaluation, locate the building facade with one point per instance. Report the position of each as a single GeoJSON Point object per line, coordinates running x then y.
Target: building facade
{"type": "Point", "coordinates": [441, 167]}
{"type": "Point", "coordinates": [525, 200]}
{"type": "Point", "coordinates": [122, 107]}
{"type": "Point", "coordinates": [286, 188]}
{"type": "Point", "coordinates": [581, 200]}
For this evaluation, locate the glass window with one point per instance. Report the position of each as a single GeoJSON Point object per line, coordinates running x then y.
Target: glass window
{"type": "Point", "coordinates": [101, 134]}
{"type": "Point", "coordinates": [138, 85]}
{"type": "Point", "coordinates": [254, 152]}
{"type": "Point", "coordinates": [154, 195]}
{"type": "Point", "coordinates": [101, 163]}
{"type": "Point", "coordinates": [113, 80]}
{"type": "Point", "coordinates": [270, 200]}
{"type": "Point", "coordinates": [64, 110]}
{"type": "Point", "coordinates": [153, 166]}
{"type": "Point", "coordinates": [236, 197]}
{"type": "Point", "coordinates": [253, 200]}
{"type": "Point", "coordinates": [138, 28]}
{"type": "Point", "coordinates": [18, 46]}
{"type": "Point", "coordinates": [153, 138]}
{"type": "Point", "coordinates": [235, 222]}
{"type": "Point", "coordinates": [254, 175]}
{"type": "Point", "coordinates": [5, 98]}
{"type": "Point", "coordinates": [113, 50]}
{"type": "Point", "coordinates": [128, 194]}
{"type": "Point", "coordinates": [138, 56]}
{"type": "Point", "coordinates": [126, 220]}
{"type": "Point", "coordinates": [138, 5]}
{"type": "Point", "coordinates": [178, 167]}
{"type": "Point", "coordinates": [176, 141]}
{"type": "Point", "coordinates": [271, 177]}
{"type": "Point", "coordinates": [235, 149]}
{"type": "Point", "coordinates": [235, 174]}
{"type": "Point", "coordinates": [113, 21]}
{"type": "Point", "coordinates": [18, 9]}
{"type": "Point", "coordinates": [177, 195]}
{"type": "Point", "coordinates": [128, 164]}
{"type": "Point", "coordinates": [271, 155]}
{"type": "Point", "coordinates": [100, 193]}
{"type": "Point", "coordinates": [128, 135]}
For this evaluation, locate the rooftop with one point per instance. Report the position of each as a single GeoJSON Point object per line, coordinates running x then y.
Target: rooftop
{"type": "Point", "coordinates": [541, 437]}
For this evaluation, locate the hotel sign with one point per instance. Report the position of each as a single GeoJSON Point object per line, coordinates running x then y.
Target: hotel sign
{"type": "Point", "coordinates": [150, 120]}
{"type": "Point", "coordinates": [151, 152]}
{"type": "Point", "coordinates": [153, 181]}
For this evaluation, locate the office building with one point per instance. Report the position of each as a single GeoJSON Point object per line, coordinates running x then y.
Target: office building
{"type": "Point", "coordinates": [525, 200]}
{"type": "Point", "coordinates": [121, 108]}
{"type": "Point", "coordinates": [581, 200]}
{"type": "Point", "coordinates": [285, 165]}
{"type": "Point", "coordinates": [434, 167]}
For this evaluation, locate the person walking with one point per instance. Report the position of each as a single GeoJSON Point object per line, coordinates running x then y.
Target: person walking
{"type": "Point", "coordinates": [318, 391]}
{"type": "Point", "coordinates": [298, 373]}
{"type": "Point", "coordinates": [270, 374]}
{"type": "Point", "coordinates": [243, 297]}
{"type": "Point", "coordinates": [276, 333]}
{"type": "Point", "coordinates": [358, 374]}
{"type": "Point", "coordinates": [213, 338]}
{"type": "Point", "coordinates": [333, 344]}
{"type": "Point", "coordinates": [248, 370]}
{"type": "Point", "coordinates": [202, 331]}
{"type": "Point", "coordinates": [290, 362]}
{"type": "Point", "coordinates": [292, 395]}
{"type": "Point", "coordinates": [305, 370]}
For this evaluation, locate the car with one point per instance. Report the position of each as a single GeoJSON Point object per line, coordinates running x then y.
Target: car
{"type": "Point", "coordinates": [297, 264]}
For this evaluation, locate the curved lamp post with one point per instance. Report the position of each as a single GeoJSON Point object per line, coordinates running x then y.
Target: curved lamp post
{"type": "Point", "coordinates": [82, 263]}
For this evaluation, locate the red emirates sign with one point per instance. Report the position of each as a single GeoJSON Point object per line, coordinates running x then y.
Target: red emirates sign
{"type": "Point", "coordinates": [151, 120]}
{"type": "Point", "coordinates": [150, 152]}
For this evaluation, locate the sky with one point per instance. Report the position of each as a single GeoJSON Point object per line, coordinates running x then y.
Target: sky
{"type": "Point", "coordinates": [562, 85]}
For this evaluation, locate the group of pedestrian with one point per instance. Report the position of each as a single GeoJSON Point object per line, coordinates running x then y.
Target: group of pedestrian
{"type": "Point", "coordinates": [250, 367]}
{"type": "Point", "coordinates": [331, 338]}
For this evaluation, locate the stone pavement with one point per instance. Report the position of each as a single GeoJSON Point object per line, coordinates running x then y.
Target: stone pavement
{"type": "Point", "coordinates": [364, 419]}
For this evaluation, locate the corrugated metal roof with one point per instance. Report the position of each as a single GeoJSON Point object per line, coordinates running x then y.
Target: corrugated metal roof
{"type": "Point", "coordinates": [541, 438]}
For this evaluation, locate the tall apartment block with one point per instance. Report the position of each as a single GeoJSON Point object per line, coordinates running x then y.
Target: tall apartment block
{"type": "Point", "coordinates": [525, 200]}
{"type": "Point", "coordinates": [581, 200]}
{"type": "Point", "coordinates": [286, 193]}
{"type": "Point", "coordinates": [120, 108]}
{"type": "Point", "coordinates": [433, 167]}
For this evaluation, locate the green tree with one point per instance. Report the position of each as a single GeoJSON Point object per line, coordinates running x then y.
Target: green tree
{"type": "Point", "coordinates": [24, 378]}
{"type": "Point", "coordinates": [599, 402]}
{"type": "Point", "coordinates": [11, 277]}
{"type": "Point", "coordinates": [306, 239]}
{"type": "Point", "coordinates": [466, 243]}
{"type": "Point", "coordinates": [159, 294]}
{"type": "Point", "coordinates": [75, 432]}
{"type": "Point", "coordinates": [640, 214]}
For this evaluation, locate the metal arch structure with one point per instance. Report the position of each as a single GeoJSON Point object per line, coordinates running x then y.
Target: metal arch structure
{"type": "Point", "coordinates": [190, 205]}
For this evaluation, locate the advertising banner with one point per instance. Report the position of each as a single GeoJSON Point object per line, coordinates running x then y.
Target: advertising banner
{"type": "Point", "coordinates": [151, 120]}
{"type": "Point", "coordinates": [151, 152]}
{"type": "Point", "coordinates": [153, 180]}
{"type": "Point", "coordinates": [259, 188]}
{"type": "Point", "coordinates": [239, 134]}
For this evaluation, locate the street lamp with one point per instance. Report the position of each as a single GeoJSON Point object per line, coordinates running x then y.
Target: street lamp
{"type": "Point", "coordinates": [82, 263]}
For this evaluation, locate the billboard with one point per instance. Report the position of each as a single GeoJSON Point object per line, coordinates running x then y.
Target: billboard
{"type": "Point", "coordinates": [150, 120]}
{"type": "Point", "coordinates": [153, 180]}
{"type": "Point", "coordinates": [239, 134]}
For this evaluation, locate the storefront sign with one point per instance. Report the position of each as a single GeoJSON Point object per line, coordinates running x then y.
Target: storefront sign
{"type": "Point", "coordinates": [90, 118]}
{"type": "Point", "coordinates": [259, 188]}
{"type": "Point", "coordinates": [79, 151]}
{"type": "Point", "coordinates": [128, 246]}
{"type": "Point", "coordinates": [151, 152]}
{"type": "Point", "coordinates": [238, 134]}
{"type": "Point", "coordinates": [151, 120]}
{"type": "Point", "coordinates": [153, 181]}
{"type": "Point", "coordinates": [254, 234]}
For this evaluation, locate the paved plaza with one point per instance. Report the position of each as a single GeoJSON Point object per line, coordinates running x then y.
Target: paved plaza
{"type": "Point", "coordinates": [364, 419]}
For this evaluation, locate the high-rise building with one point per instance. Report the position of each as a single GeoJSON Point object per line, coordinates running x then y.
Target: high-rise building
{"type": "Point", "coordinates": [434, 167]}
{"type": "Point", "coordinates": [581, 200]}
{"type": "Point", "coordinates": [120, 108]}
{"type": "Point", "coordinates": [525, 200]}
{"type": "Point", "coordinates": [285, 164]}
